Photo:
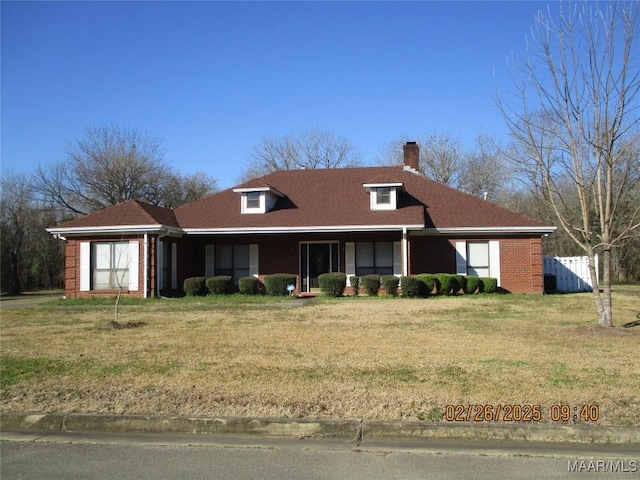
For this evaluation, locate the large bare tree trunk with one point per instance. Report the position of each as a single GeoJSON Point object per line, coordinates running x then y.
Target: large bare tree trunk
{"type": "Point", "coordinates": [577, 130]}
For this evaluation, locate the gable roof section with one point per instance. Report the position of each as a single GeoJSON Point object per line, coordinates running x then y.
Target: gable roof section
{"type": "Point", "coordinates": [129, 216]}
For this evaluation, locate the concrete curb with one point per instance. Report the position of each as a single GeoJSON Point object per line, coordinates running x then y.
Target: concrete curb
{"type": "Point", "coordinates": [316, 428]}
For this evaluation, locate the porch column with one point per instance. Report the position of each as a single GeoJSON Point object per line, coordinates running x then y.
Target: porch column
{"type": "Point", "coordinates": [405, 252]}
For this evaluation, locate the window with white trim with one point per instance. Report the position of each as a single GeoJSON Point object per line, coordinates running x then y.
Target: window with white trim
{"type": "Point", "coordinates": [481, 258]}
{"type": "Point", "coordinates": [383, 196]}
{"type": "Point", "coordinates": [110, 265]}
{"type": "Point", "coordinates": [478, 259]}
{"type": "Point", "coordinates": [374, 257]}
{"type": "Point", "coordinates": [252, 200]}
{"type": "Point", "coordinates": [232, 260]}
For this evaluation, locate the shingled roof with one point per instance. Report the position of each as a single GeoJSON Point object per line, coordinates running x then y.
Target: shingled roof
{"type": "Point", "coordinates": [336, 197]}
{"type": "Point", "coordinates": [323, 199]}
{"type": "Point", "coordinates": [127, 214]}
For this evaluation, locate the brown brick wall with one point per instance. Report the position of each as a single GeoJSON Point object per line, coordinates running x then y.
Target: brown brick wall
{"type": "Point", "coordinates": [520, 260]}
{"type": "Point", "coordinates": [521, 265]}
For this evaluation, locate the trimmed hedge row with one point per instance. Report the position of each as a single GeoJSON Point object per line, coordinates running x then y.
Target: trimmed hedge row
{"type": "Point", "coordinates": [249, 286]}
{"type": "Point", "coordinates": [195, 286]}
{"type": "Point", "coordinates": [426, 284]}
{"type": "Point", "coordinates": [371, 284]}
{"type": "Point", "coordinates": [332, 284]}
{"type": "Point", "coordinates": [277, 283]}
{"type": "Point", "coordinates": [220, 285]}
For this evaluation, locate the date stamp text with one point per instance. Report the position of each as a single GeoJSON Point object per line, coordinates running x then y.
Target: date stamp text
{"type": "Point", "coordinates": [521, 413]}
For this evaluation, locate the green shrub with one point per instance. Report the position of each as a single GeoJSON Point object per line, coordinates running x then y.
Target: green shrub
{"type": "Point", "coordinates": [390, 284]}
{"type": "Point", "coordinates": [355, 284]}
{"type": "Point", "coordinates": [431, 281]}
{"type": "Point", "coordinates": [332, 284]}
{"type": "Point", "coordinates": [371, 283]}
{"type": "Point", "coordinates": [462, 283]}
{"type": "Point", "coordinates": [413, 287]}
{"type": "Point", "coordinates": [220, 285]}
{"type": "Point", "coordinates": [448, 284]}
{"type": "Point", "coordinates": [194, 286]}
{"type": "Point", "coordinates": [489, 285]}
{"type": "Point", "coordinates": [249, 285]}
{"type": "Point", "coordinates": [277, 283]}
{"type": "Point", "coordinates": [473, 284]}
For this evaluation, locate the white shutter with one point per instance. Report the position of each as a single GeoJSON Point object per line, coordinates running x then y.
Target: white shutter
{"type": "Point", "coordinates": [134, 265]}
{"type": "Point", "coordinates": [461, 258]}
{"type": "Point", "coordinates": [494, 259]}
{"type": "Point", "coordinates": [85, 266]}
{"type": "Point", "coordinates": [254, 266]}
{"type": "Point", "coordinates": [397, 259]}
{"type": "Point", "coordinates": [350, 260]}
{"type": "Point", "coordinates": [174, 265]}
{"type": "Point", "coordinates": [209, 259]}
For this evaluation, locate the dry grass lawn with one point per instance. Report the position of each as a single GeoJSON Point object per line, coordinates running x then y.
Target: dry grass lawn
{"type": "Point", "coordinates": [385, 359]}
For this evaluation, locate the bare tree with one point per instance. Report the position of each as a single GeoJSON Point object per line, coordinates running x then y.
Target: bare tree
{"type": "Point", "coordinates": [575, 119]}
{"type": "Point", "coordinates": [305, 149]}
{"type": "Point", "coordinates": [480, 171]}
{"type": "Point", "coordinates": [111, 164]}
{"type": "Point", "coordinates": [484, 172]}
{"type": "Point", "coordinates": [441, 158]}
{"type": "Point", "coordinates": [392, 153]}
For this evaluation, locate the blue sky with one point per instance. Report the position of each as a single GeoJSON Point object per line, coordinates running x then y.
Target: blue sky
{"type": "Point", "coordinates": [212, 78]}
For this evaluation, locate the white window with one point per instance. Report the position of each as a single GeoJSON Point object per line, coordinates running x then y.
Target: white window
{"type": "Point", "coordinates": [253, 200]}
{"type": "Point", "coordinates": [258, 199]}
{"type": "Point", "coordinates": [383, 195]}
{"type": "Point", "coordinates": [374, 257]}
{"type": "Point", "coordinates": [481, 258]}
{"type": "Point", "coordinates": [232, 260]}
{"type": "Point", "coordinates": [110, 269]}
{"type": "Point", "coordinates": [478, 259]}
{"type": "Point", "coordinates": [236, 261]}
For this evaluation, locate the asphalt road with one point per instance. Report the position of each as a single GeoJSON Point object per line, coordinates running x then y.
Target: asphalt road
{"type": "Point", "coordinates": [158, 457]}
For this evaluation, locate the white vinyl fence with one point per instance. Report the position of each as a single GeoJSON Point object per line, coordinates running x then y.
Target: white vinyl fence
{"type": "Point", "coordinates": [571, 273]}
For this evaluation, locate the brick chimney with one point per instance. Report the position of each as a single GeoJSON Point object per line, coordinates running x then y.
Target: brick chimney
{"type": "Point", "coordinates": [411, 156]}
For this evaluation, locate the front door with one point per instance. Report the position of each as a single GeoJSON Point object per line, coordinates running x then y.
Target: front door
{"type": "Point", "coordinates": [316, 259]}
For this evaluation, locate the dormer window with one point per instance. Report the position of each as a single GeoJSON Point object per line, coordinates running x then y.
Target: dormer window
{"type": "Point", "coordinates": [258, 199]}
{"type": "Point", "coordinates": [253, 200]}
{"type": "Point", "coordinates": [383, 196]}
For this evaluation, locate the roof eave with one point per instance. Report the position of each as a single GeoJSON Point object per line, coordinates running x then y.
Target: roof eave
{"type": "Point", "coordinates": [114, 229]}
{"type": "Point", "coordinates": [516, 230]}
{"type": "Point", "coordinates": [300, 229]}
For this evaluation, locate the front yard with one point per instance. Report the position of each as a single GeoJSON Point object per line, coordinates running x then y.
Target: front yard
{"type": "Point", "coordinates": [384, 359]}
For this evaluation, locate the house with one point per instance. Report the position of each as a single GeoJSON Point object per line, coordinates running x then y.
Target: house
{"type": "Point", "coordinates": [385, 220]}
